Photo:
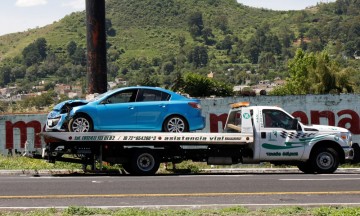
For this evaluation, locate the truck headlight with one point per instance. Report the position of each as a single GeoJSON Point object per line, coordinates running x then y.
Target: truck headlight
{"type": "Point", "coordinates": [346, 136]}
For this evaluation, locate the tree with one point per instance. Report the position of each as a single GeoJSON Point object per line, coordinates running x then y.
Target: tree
{"type": "Point", "coordinates": [71, 48]}
{"type": "Point", "coordinates": [148, 79]}
{"type": "Point", "coordinates": [41, 46]}
{"type": "Point", "coordinates": [267, 60]}
{"type": "Point", "coordinates": [110, 31]}
{"type": "Point", "coordinates": [195, 23]}
{"type": "Point", "coordinates": [226, 44]}
{"type": "Point", "coordinates": [178, 83]}
{"type": "Point", "coordinates": [198, 56]}
{"type": "Point", "coordinates": [208, 36]}
{"type": "Point", "coordinates": [182, 40]}
{"type": "Point", "coordinates": [252, 50]}
{"type": "Point", "coordinates": [35, 52]}
{"type": "Point", "coordinates": [79, 58]}
{"type": "Point", "coordinates": [32, 73]}
{"type": "Point", "coordinates": [5, 75]}
{"type": "Point", "coordinates": [314, 73]}
{"type": "Point", "coordinates": [221, 22]}
{"type": "Point", "coordinates": [168, 67]}
{"type": "Point", "coordinates": [201, 86]}
{"type": "Point", "coordinates": [272, 44]}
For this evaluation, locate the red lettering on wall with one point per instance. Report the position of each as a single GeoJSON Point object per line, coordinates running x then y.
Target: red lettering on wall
{"type": "Point", "coordinates": [316, 115]}
{"type": "Point", "coordinates": [214, 119]}
{"type": "Point", "coordinates": [353, 121]}
{"type": "Point", "coordinates": [302, 116]}
{"type": "Point", "coordinates": [22, 126]}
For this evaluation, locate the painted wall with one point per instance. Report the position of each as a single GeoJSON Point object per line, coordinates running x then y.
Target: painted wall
{"type": "Point", "coordinates": [338, 110]}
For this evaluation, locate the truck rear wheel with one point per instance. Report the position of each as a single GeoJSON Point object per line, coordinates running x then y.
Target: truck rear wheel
{"type": "Point", "coordinates": [127, 167]}
{"type": "Point", "coordinates": [324, 160]}
{"type": "Point", "coordinates": [144, 162]}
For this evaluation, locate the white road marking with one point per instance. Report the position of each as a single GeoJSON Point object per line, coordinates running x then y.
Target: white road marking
{"type": "Point", "coordinates": [331, 179]}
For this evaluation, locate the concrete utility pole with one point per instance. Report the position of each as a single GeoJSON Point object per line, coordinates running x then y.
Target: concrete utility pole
{"type": "Point", "coordinates": [96, 46]}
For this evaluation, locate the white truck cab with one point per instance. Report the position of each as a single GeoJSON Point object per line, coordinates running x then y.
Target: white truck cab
{"type": "Point", "coordinates": [281, 138]}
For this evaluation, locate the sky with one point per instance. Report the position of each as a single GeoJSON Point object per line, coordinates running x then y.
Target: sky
{"type": "Point", "coordinates": [21, 15]}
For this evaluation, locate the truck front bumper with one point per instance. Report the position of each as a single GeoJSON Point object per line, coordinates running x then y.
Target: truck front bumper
{"type": "Point", "coordinates": [349, 153]}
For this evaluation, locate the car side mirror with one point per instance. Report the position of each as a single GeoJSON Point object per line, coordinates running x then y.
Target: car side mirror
{"type": "Point", "coordinates": [106, 101]}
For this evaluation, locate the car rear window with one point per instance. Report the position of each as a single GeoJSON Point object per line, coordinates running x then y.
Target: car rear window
{"type": "Point", "coordinates": [153, 95]}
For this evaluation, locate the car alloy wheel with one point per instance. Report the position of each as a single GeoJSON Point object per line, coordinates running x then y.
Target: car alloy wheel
{"type": "Point", "coordinates": [80, 124]}
{"type": "Point", "coordinates": [176, 124]}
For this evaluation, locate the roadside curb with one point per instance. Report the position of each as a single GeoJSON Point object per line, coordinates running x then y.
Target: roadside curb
{"type": "Point", "coordinates": [273, 170]}
{"type": "Point", "coordinates": [215, 171]}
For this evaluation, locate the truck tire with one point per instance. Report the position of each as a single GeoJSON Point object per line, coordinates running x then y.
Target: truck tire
{"type": "Point", "coordinates": [324, 160]}
{"type": "Point", "coordinates": [127, 167]}
{"type": "Point", "coordinates": [175, 124]}
{"type": "Point", "coordinates": [144, 162]}
{"type": "Point", "coordinates": [305, 167]}
{"type": "Point", "coordinates": [80, 123]}
{"type": "Point", "coordinates": [356, 148]}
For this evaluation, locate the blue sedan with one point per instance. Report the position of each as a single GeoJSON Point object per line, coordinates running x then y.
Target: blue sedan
{"type": "Point", "coordinates": [137, 108]}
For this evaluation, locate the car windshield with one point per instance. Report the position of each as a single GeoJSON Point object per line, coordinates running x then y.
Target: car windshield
{"type": "Point", "coordinates": [100, 95]}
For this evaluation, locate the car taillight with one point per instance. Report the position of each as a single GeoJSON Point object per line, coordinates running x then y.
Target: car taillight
{"type": "Point", "coordinates": [195, 105]}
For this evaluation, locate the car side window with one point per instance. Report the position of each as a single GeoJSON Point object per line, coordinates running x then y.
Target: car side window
{"type": "Point", "coordinates": [152, 95]}
{"type": "Point", "coordinates": [123, 96]}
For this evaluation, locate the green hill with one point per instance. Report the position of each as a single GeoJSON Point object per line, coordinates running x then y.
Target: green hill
{"type": "Point", "coordinates": [151, 41]}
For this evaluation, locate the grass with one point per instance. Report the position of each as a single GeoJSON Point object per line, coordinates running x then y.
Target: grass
{"type": "Point", "coordinates": [237, 210]}
{"type": "Point", "coordinates": [25, 163]}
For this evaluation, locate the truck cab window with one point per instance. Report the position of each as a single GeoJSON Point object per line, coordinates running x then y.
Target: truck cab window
{"type": "Point", "coordinates": [234, 122]}
{"type": "Point", "coordinates": [277, 119]}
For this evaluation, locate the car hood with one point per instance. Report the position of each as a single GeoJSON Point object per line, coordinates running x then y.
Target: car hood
{"type": "Point", "coordinates": [71, 103]}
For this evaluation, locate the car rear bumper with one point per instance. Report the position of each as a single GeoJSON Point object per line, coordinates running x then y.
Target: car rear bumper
{"type": "Point", "coordinates": [197, 123]}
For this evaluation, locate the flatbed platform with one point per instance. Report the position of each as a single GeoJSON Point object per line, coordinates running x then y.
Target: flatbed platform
{"type": "Point", "coordinates": [150, 137]}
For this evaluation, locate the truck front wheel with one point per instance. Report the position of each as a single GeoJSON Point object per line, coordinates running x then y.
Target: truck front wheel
{"type": "Point", "coordinates": [305, 167]}
{"type": "Point", "coordinates": [324, 160]}
{"type": "Point", "coordinates": [144, 162]}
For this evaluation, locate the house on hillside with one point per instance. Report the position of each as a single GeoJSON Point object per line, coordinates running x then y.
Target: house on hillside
{"type": "Point", "coordinates": [62, 89]}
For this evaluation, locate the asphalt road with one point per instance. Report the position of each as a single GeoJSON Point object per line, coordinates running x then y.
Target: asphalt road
{"type": "Point", "coordinates": [207, 190]}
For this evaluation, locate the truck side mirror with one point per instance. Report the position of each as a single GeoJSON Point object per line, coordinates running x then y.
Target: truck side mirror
{"type": "Point", "coordinates": [295, 124]}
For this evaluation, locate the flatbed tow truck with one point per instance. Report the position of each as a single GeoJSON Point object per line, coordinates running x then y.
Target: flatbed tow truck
{"type": "Point", "coordinates": [252, 134]}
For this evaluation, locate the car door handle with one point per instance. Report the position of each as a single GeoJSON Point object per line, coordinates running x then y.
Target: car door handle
{"type": "Point", "coordinates": [163, 106]}
{"type": "Point", "coordinates": [131, 107]}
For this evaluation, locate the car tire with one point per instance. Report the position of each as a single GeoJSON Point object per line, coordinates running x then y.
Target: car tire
{"type": "Point", "coordinates": [80, 123]}
{"type": "Point", "coordinates": [175, 124]}
{"type": "Point", "coordinates": [144, 162]}
{"type": "Point", "coordinates": [324, 160]}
